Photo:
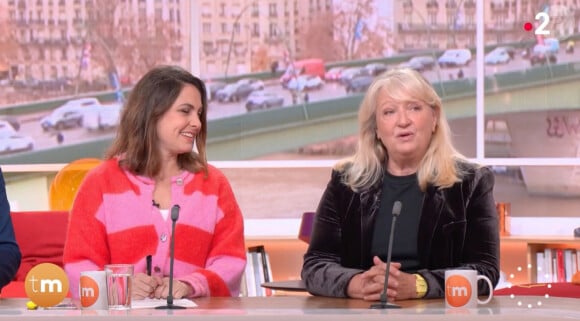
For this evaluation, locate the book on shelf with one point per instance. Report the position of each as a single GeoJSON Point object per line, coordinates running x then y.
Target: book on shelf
{"type": "Point", "coordinates": [541, 275]}
{"type": "Point", "coordinates": [568, 270]}
{"type": "Point", "coordinates": [556, 265]}
{"type": "Point", "coordinates": [249, 280]}
{"type": "Point", "coordinates": [258, 271]}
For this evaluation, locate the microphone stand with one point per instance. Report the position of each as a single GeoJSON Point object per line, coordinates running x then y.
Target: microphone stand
{"type": "Point", "coordinates": [170, 306]}
{"type": "Point", "coordinates": [383, 304]}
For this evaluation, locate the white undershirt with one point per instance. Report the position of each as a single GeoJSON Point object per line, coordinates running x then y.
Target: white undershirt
{"type": "Point", "coordinates": [164, 213]}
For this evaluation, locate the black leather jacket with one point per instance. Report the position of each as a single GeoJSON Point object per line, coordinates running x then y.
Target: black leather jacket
{"type": "Point", "coordinates": [458, 229]}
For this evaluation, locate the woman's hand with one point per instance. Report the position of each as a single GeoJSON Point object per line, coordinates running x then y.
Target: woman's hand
{"type": "Point", "coordinates": [402, 286]}
{"type": "Point", "coordinates": [369, 284]}
{"type": "Point", "coordinates": [406, 286]}
{"type": "Point", "coordinates": [144, 286]}
{"type": "Point", "coordinates": [180, 289]}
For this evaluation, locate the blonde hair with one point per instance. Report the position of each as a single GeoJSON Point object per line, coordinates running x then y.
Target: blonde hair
{"type": "Point", "coordinates": [366, 167]}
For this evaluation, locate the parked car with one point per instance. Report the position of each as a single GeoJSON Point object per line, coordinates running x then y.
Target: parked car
{"type": "Point", "coordinates": [376, 68]}
{"type": "Point", "coordinates": [419, 63]}
{"type": "Point", "coordinates": [305, 83]}
{"type": "Point", "coordinates": [510, 50]}
{"type": "Point", "coordinates": [212, 88]}
{"type": "Point", "coordinates": [499, 55]}
{"type": "Point", "coordinates": [542, 54]}
{"type": "Point", "coordinates": [262, 99]}
{"type": "Point", "coordinates": [15, 143]}
{"type": "Point", "coordinates": [359, 84]}
{"type": "Point", "coordinates": [69, 114]}
{"type": "Point", "coordinates": [62, 118]}
{"type": "Point", "coordinates": [256, 84]}
{"type": "Point", "coordinates": [6, 129]}
{"type": "Point", "coordinates": [13, 121]}
{"type": "Point", "coordinates": [234, 92]}
{"type": "Point", "coordinates": [333, 74]}
{"type": "Point", "coordinates": [454, 57]}
{"type": "Point", "coordinates": [348, 74]}
{"type": "Point", "coordinates": [80, 103]}
{"type": "Point", "coordinates": [102, 118]}
{"type": "Point", "coordinates": [553, 45]}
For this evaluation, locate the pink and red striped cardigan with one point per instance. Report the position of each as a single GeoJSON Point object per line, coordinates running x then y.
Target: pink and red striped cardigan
{"type": "Point", "coordinates": [113, 220]}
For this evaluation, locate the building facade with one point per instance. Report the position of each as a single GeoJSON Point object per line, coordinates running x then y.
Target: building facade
{"type": "Point", "coordinates": [242, 36]}
{"type": "Point", "coordinates": [90, 38]}
{"type": "Point", "coordinates": [441, 24]}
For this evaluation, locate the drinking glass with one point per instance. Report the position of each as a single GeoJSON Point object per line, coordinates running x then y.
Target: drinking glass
{"type": "Point", "coordinates": [119, 284]}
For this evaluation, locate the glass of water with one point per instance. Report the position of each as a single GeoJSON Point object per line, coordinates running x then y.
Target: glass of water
{"type": "Point", "coordinates": [119, 284]}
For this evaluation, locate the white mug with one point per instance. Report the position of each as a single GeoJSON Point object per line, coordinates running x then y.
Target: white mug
{"type": "Point", "coordinates": [461, 289]}
{"type": "Point", "coordinates": [93, 290]}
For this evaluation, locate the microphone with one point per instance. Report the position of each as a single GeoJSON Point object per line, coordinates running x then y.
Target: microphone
{"type": "Point", "coordinates": [383, 304]}
{"type": "Point", "coordinates": [170, 306]}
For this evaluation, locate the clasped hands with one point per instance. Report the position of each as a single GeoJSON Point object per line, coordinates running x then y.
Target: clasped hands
{"type": "Point", "coordinates": [370, 284]}
{"type": "Point", "coordinates": [145, 286]}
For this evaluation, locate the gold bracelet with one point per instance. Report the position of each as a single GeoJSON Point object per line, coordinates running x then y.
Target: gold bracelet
{"type": "Point", "coordinates": [420, 285]}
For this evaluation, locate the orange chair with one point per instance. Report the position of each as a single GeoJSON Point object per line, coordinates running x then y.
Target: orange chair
{"type": "Point", "coordinates": [66, 183]}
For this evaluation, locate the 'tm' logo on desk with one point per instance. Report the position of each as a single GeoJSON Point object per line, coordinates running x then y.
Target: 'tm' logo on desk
{"type": "Point", "coordinates": [46, 284]}
{"type": "Point", "coordinates": [457, 290]}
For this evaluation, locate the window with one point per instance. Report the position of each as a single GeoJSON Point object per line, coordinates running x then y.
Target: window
{"type": "Point", "coordinates": [255, 10]}
{"type": "Point", "coordinates": [206, 27]}
{"type": "Point", "coordinates": [273, 30]}
{"type": "Point", "coordinates": [206, 10]}
{"type": "Point", "coordinates": [255, 30]}
{"type": "Point", "coordinates": [222, 9]}
{"type": "Point", "coordinates": [273, 10]}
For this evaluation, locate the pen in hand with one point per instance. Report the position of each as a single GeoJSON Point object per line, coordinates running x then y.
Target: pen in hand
{"type": "Point", "coordinates": [148, 260]}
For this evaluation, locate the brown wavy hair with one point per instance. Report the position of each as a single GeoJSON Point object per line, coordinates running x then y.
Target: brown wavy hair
{"type": "Point", "coordinates": [136, 143]}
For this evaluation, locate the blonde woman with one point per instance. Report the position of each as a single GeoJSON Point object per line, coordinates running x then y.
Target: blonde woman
{"type": "Point", "coordinates": [448, 217]}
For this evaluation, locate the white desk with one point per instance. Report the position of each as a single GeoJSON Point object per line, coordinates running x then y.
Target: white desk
{"type": "Point", "coordinates": [305, 308]}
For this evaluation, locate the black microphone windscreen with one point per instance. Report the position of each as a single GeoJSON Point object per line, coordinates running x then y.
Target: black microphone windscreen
{"type": "Point", "coordinates": [397, 208]}
{"type": "Point", "coordinates": [175, 212]}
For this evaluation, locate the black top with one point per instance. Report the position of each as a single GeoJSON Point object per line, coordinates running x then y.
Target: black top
{"type": "Point", "coordinates": [406, 190]}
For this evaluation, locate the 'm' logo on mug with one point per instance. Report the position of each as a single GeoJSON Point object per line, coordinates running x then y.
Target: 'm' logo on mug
{"type": "Point", "coordinates": [457, 290]}
{"type": "Point", "coordinates": [89, 291]}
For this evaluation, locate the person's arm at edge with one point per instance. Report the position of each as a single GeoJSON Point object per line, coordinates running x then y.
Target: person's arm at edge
{"type": "Point", "coordinates": [9, 250]}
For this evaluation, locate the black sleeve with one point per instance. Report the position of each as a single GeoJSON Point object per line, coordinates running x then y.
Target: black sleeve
{"type": "Point", "coordinates": [9, 251]}
{"type": "Point", "coordinates": [322, 271]}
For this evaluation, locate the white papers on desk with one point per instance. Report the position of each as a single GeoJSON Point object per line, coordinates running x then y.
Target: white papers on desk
{"type": "Point", "coordinates": [153, 303]}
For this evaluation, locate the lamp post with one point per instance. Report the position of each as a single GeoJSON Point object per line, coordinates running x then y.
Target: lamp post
{"type": "Point", "coordinates": [111, 68]}
{"type": "Point", "coordinates": [438, 70]}
{"type": "Point", "coordinates": [236, 21]}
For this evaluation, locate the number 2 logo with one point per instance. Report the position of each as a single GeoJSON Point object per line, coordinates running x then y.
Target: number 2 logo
{"type": "Point", "coordinates": [544, 19]}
